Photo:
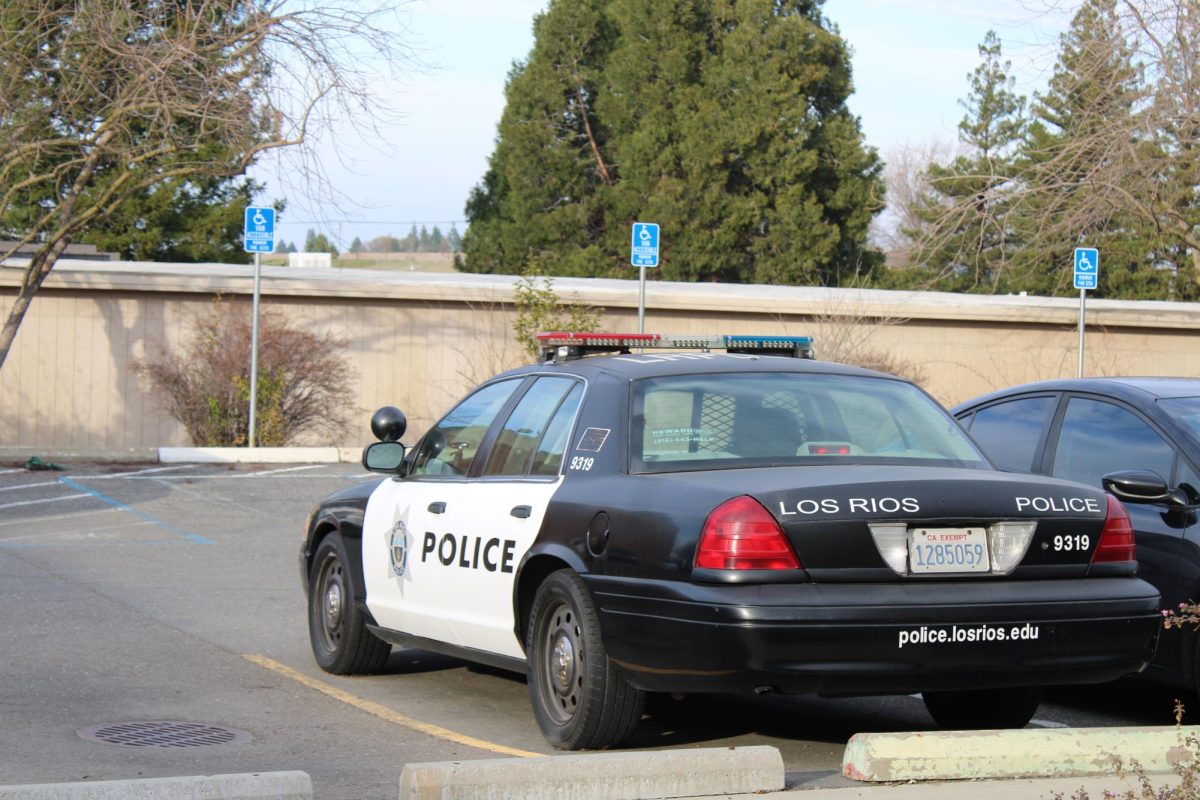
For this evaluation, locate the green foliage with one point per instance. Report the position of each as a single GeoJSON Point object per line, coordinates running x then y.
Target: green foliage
{"type": "Point", "coordinates": [180, 221]}
{"type": "Point", "coordinates": [723, 121]}
{"type": "Point", "coordinates": [1108, 157]}
{"type": "Point", "coordinates": [319, 243]}
{"type": "Point", "coordinates": [539, 309]}
{"type": "Point", "coordinates": [206, 385]}
{"type": "Point", "coordinates": [967, 238]}
{"type": "Point", "coordinates": [1095, 88]}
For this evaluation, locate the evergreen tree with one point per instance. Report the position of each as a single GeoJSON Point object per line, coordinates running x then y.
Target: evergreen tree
{"type": "Point", "coordinates": [725, 121]}
{"type": "Point", "coordinates": [435, 240]}
{"type": "Point", "coordinates": [179, 221]}
{"type": "Point", "coordinates": [1095, 88]}
{"type": "Point", "coordinates": [967, 240]}
{"type": "Point", "coordinates": [318, 243]}
{"type": "Point", "coordinates": [454, 239]}
{"type": "Point", "coordinates": [356, 246]}
{"type": "Point", "coordinates": [410, 243]}
{"type": "Point", "coordinates": [423, 240]}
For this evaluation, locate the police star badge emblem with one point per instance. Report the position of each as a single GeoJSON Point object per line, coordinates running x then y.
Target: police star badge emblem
{"type": "Point", "coordinates": [399, 548]}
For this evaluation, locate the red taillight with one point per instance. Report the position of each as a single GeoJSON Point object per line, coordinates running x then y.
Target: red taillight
{"type": "Point", "coordinates": [741, 534]}
{"type": "Point", "coordinates": [1116, 540]}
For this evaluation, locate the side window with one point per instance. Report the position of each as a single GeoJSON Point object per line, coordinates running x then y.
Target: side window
{"type": "Point", "coordinates": [1097, 438]}
{"type": "Point", "coordinates": [549, 455]}
{"type": "Point", "coordinates": [1009, 432]}
{"type": "Point", "coordinates": [526, 426]}
{"type": "Point", "coordinates": [450, 446]}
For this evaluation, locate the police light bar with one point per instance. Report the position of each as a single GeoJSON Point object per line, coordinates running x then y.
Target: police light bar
{"type": "Point", "coordinates": [568, 345]}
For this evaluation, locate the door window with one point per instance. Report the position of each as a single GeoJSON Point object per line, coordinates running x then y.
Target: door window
{"type": "Point", "coordinates": [1097, 438]}
{"type": "Point", "coordinates": [450, 446]}
{"type": "Point", "coordinates": [527, 425]}
{"type": "Point", "coordinates": [1009, 432]}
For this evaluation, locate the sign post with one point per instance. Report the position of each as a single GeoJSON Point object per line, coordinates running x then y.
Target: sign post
{"type": "Point", "coordinates": [259, 238]}
{"type": "Point", "coordinates": [643, 253]}
{"type": "Point", "coordinates": [1087, 276]}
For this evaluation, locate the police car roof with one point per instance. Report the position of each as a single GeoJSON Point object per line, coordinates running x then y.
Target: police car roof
{"type": "Point", "coordinates": [634, 366]}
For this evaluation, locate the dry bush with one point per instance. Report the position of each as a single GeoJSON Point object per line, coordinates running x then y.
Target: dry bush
{"type": "Point", "coordinates": [302, 379]}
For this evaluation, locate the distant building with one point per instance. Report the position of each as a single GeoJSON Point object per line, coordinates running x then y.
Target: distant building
{"type": "Point", "coordinates": [310, 259]}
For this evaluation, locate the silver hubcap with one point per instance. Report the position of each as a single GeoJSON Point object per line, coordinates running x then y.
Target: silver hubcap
{"type": "Point", "coordinates": [333, 606]}
{"type": "Point", "coordinates": [562, 664]}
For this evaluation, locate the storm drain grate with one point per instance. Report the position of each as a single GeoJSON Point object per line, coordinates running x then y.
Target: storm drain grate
{"type": "Point", "coordinates": [163, 734]}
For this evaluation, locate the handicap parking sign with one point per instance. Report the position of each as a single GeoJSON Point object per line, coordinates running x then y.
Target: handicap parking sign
{"type": "Point", "coordinates": [259, 231]}
{"type": "Point", "coordinates": [1087, 267]}
{"type": "Point", "coordinates": [644, 250]}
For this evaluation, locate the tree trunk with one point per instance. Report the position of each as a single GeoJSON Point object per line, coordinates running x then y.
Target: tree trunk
{"type": "Point", "coordinates": [39, 267]}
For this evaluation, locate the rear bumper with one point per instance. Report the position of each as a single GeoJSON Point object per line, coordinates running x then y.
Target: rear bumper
{"type": "Point", "coordinates": [876, 638]}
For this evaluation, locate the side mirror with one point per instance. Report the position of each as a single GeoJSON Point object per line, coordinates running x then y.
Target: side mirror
{"type": "Point", "coordinates": [1142, 486]}
{"type": "Point", "coordinates": [388, 424]}
{"type": "Point", "coordinates": [387, 457]}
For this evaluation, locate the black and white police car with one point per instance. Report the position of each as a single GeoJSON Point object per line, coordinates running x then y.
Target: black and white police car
{"type": "Point", "coordinates": [721, 519]}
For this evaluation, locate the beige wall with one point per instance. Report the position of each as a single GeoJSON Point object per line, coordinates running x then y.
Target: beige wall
{"type": "Point", "coordinates": [421, 340]}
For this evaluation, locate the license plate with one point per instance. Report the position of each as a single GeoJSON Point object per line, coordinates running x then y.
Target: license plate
{"type": "Point", "coordinates": [948, 550]}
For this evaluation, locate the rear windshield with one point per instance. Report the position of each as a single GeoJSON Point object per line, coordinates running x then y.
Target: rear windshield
{"type": "Point", "coordinates": [696, 422]}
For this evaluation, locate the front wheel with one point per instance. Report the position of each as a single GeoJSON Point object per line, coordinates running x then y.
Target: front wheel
{"type": "Point", "coordinates": [983, 709]}
{"type": "Point", "coordinates": [580, 700]}
{"type": "Point", "coordinates": [337, 627]}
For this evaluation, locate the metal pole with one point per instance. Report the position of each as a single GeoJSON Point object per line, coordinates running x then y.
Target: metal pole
{"type": "Point", "coordinates": [641, 299]}
{"type": "Point", "coordinates": [254, 350]}
{"type": "Point", "coordinates": [1082, 301]}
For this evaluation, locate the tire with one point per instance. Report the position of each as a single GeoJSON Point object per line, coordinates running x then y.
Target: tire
{"type": "Point", "coordinates": [337, 627]}
{"type": "Point", "coordinates": [983, 709]}
{"type": "Point", "coordinates": [580, 700]}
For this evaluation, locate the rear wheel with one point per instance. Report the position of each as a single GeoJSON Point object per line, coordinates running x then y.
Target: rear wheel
{"type": "Point", "coordinates": [982, 709]}
{"type": "Point", "coordinates": [337, 627]}
{"type": "Point", "coordinates": [579, 699]}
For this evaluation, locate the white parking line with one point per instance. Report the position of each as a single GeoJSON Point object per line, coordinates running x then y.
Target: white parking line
{"type": "Point", "coordinates": [281, 470]}
{"type": "Point", "coordinates": [55, 518]}
{"type": "Point", "coordinates": [28, 486]}
{"type": "Point", "coordinates": [135, 473]}
{"type": "Point", "coordinates": [1047, 723]}
{"type": "Point", "coordinates": [90, 531]}
{"type": "Point", "coordinates": [9, 471]}
{"type": "Point", "coordinates": [44, 500]}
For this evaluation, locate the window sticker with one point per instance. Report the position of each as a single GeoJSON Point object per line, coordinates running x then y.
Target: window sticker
{"type": "Point", "coordinates": [593, 439]}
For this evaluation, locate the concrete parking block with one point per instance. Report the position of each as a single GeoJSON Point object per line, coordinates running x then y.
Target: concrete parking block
{"type": "Point", "coordinates": [975, 755]}
{"type": "Point", "coordinates": [249, 455]}
{"type": "Point", "coordinates": [600, 776]}
{"type": "Point", "coordinates": [246, 786]}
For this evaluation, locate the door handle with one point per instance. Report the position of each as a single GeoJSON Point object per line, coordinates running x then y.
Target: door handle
{"type": "Point", "coordinates": [437, 508]}
{"type": "Point", "coordinates": [521, 512]}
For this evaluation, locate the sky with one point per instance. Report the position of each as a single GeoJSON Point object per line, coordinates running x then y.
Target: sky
{"type": "Point", "coordinates": [911, 61]}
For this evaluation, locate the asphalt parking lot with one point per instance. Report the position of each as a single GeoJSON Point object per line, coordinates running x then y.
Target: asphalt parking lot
{"type": "Point", "coordinates": [171, 593]}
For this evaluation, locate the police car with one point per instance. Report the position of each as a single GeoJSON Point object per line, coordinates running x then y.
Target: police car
{"type": "Point", "coordinates": [647, 513]}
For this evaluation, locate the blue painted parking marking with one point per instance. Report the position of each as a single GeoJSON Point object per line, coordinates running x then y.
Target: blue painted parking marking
{"type": "Point", "coordinates": [117, 504]}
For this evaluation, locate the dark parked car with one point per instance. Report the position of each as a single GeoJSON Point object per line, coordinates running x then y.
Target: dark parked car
{"type": "Point", "coordinates": [1140, 439]}
{"type": "Point", "coordinates": [613, 523]}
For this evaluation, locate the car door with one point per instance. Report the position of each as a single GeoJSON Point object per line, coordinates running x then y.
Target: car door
{"type": "Point", "coordinates": [499, 515]}
{"type": "Point", "coordinates": [407, 535]}
{"type": "Point", "coordinates": [1092, 437]}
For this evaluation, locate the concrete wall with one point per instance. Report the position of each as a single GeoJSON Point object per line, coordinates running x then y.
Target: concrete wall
{"type": "Point", "coordinates": [420, 340]}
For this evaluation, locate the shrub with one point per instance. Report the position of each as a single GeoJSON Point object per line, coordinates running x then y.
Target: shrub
{"type": "Point", "coordinates": [540, 310]}
{"type": "Point", "coordinates": [206, 385]}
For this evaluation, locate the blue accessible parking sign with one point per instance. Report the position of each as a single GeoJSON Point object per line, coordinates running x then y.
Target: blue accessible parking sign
{"type": "Point", "coordinates": [1087, 267]}
{"type": "Point", "coordinates": [643, 251]}
{"type": "Point", "coordinates": [259, 230]}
